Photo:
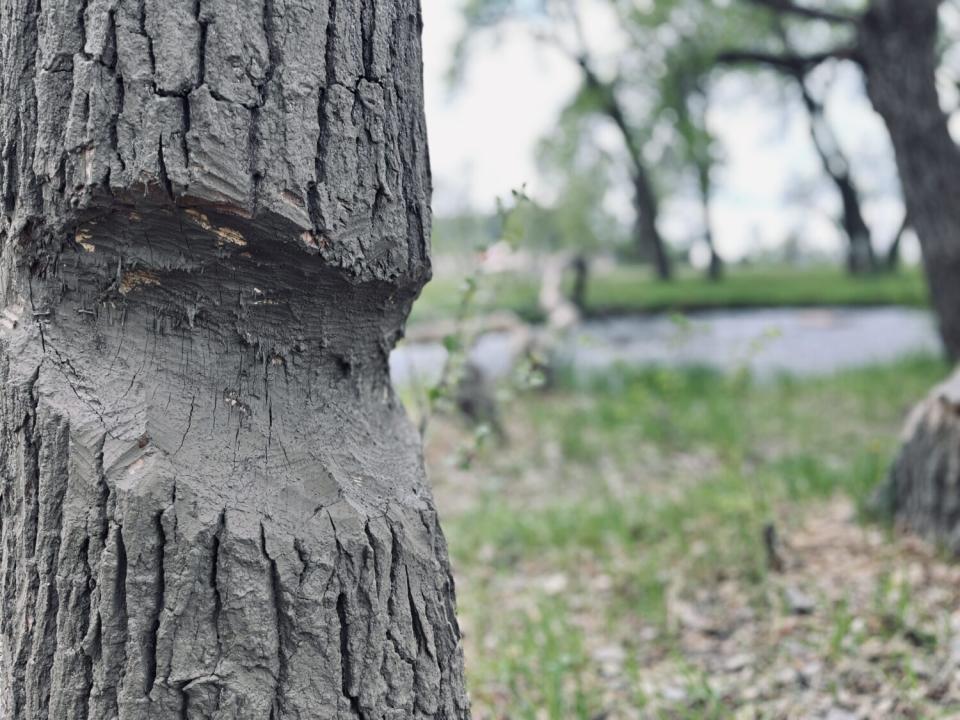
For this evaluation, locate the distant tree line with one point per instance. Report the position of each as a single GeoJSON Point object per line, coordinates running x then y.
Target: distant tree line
{"type": "Point", "coordinates": [661, 80]}
{"type": "Point", "coordinates": [657, 90]}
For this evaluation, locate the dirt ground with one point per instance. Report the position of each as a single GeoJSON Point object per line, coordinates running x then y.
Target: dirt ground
{"type": "Point", "coordinates": [857, 625]}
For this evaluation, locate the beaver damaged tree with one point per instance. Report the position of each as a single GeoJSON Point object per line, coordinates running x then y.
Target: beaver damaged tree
{"type": "Point", "coordinates": [898, 46]}
{"type": "Point", "coordinates": [213, 223]}
{"type": "Point", "coordinates": [923, 490]}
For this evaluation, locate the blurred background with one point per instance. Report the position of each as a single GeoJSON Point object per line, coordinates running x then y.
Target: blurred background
{"type": "Point", "coordinates": [678, 319]}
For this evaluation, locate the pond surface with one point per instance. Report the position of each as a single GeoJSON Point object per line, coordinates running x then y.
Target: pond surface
{"type": "Point", "coordinates": [767, 342]}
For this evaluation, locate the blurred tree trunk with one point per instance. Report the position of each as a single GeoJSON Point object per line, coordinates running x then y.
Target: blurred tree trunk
{"type": "Point", "coordinates": [650, 245]}
{"type": "Point", "coordinates": [581, 278]}
{"type": "Point", "coordinates": [898, 52]}
{"type": "Point", "coordinates": [861, 258]}
{"type": "Point", "coordinates": [649, 242]}
{"type": "Point", "coordinates": [892, 260]}
{"type": "Point", "coordinates": [897, 47]}
{"type": "Point", "coordinates": [213, 504]}
{"type": "Point", "coordinates": [715, 269]}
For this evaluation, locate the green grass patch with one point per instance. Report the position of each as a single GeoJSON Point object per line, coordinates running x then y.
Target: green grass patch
{"type": "Point", "coordinates": [641, 475]}
{"type": "Point", "coordinates": [632, 290]}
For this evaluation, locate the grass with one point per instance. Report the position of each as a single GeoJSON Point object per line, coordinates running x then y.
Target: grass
{"type": "Point", "coordinates": [618, 495]}
{"type": "Point", "coordinates": [631, 290]}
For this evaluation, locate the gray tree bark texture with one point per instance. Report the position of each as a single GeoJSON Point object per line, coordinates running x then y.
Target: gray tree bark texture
{"type": "Point", "coordinates": [214, 219]}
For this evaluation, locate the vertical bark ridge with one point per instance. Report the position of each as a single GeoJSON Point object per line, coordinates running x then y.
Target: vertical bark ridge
{"type": "Point", "coordinates": [21, 591]}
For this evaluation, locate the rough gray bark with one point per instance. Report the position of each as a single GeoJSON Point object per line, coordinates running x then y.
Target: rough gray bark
{"type": "Point", "coordinates": [213, 222]}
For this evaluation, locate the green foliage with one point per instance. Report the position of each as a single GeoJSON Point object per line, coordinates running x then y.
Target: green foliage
{"type": "Point", "coordinates": [585, 174]}
{"type": "Point", "coordinates": [545, 673]}
{"type": "Point", "coordinates": [619, 415]}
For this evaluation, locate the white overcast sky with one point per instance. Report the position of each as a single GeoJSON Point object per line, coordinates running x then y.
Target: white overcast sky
{"type": "Point", "coordinates": [483, 138]}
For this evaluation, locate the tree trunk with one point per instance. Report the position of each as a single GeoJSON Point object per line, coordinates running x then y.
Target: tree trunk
{"type": "Point", "coordinates": [897, 48]}
{"type": "Point", "coordinates": [213, 223]}
{"type": "Point", "coordinates": [715, 269]}
{"type": "Point", "coordinates": [650, 245]}
{"type": "Point", "coordinates": [861, 258]}
{"type": "Point", "coordinates": [580, 264]}
{"type": "Point", "coordinates": [892, 261]}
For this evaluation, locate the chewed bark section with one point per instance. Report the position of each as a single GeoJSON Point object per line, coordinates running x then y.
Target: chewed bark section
{"type": "Point", "coordinates": [312, 111]}
{"type": "Point", "coordinates": [213, 504]}
{"type": "Point", "coordinates": [923, 490]}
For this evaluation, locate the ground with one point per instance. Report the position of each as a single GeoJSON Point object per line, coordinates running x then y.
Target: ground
{"type": "Point", "coordinates": [615, 558]}
{"type": "Point", "coordinates": [627, 289]}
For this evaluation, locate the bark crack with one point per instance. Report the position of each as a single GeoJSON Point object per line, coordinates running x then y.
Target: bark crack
{"type": "Point", "coordinates": [346, 675]}
{"type": "Point", "coordinates": [162, 165]}
{"type": "Point", "coordinates": [283, 626]}
{"type": "Point", "coordinates": [193, 402]}
{"type": "Point", "coordinates": [142, 19]}
{"type": "Point", "coordinates": [215, 585]}
{"type": "Point", "coordinates": [150, 645]}
{"type": "Point", "coordinates": [123, 618]}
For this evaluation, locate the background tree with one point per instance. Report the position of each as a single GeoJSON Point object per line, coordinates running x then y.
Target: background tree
{"type": "Point", "coordinates": [683, 93]}
{"type": "Point", "coordinates": [895, 42]}
{"type": "Point", "coordinates": [687, 95]}
{"type": "Point", "coordinates": [578, 220]}
{"type": "Point", "coordinates": [214, 218]}
{"type": "Point", "coordinates": [557, 22]}
{"type": "Point", "coordinates": [779, 55]}
{"type": "Point", "coordinates": [691, 34]}
{"type": "Point", "coordinates": [861, 256]}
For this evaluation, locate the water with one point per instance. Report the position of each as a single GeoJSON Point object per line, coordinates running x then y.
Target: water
{"type": "Point", "coordinates": [802, 342]}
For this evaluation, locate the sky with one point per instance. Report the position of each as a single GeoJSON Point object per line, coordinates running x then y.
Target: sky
{"type": "Point", "coordinates": [483, 135]}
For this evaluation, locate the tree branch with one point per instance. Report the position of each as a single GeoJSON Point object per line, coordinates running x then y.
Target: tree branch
{"type": "Point", "coordinates": [790, 7]}
{"type": "Point", "coordinates": [786, 62]}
